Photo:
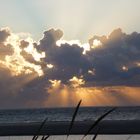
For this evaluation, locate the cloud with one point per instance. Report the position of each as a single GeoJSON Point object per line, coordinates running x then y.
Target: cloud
{"type": "Point", "coordinates": [20, 70]}
{"type": "Point", "coordinates": [4, 33]}
{"type": "Point", "coordinates": [108, 56]}
{"type": "Point", "coordinates": [5, 49]}
{"type": "Point", "coordinates": [35, 72]}
{"type": "Point", "coordinates": [68, 59]}
{"type": "Point", "coordinates": [20, 56]}
{"type": "Point", "coordinates": [118, 51]}
{"type": "Point", "coordinates": [22, 91]}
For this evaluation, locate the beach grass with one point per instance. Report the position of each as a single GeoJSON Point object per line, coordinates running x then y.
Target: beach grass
{"type": "Point", "coordinates": [36, 136]}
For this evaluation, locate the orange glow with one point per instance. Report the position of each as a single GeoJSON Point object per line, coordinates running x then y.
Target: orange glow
{"type": "Point", "coordinates": [76, 82]}
{"type": "Point", "coordinates": [93, 96]}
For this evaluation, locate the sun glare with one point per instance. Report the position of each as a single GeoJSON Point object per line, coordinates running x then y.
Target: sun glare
{"type": "Point", "coordinates": [124, 68]}
{"type": "Point", "coordinates": [96, 43]}
{"type": "Point", "coordinates": [31, 50]}
{"type": "Point", "coordinates": [76, 82]}
{"type": "Point", "coordinates": [16, 62]}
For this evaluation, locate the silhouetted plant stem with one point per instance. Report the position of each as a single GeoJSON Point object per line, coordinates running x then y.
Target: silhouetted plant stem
{"type": "Point", "coordinates": [35, 137]}
{"type": "Point", "coordinates": [97, 122]}
{"type": "Point", "coordinates": [73, 117]}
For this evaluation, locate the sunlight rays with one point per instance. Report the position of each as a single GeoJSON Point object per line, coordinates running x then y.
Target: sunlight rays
{"type": "Point", "coordinates": [64, 95]}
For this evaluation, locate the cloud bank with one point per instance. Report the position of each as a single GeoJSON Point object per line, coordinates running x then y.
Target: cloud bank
{"type": "Point", "coordinates": [31, 71]}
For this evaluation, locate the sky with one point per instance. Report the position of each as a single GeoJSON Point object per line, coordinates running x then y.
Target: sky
{"type": "Point", "coordinates": [54, 53]}
{"type": "Point", "coordinates": [79, 19]}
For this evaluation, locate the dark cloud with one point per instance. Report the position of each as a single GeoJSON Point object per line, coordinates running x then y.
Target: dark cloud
{"type": "Point", "coordinates": [22, 91]}
{"type": "Point", "coordinates": [23, 44]}
{"type": "Point", "coordinates": [33, 93]}
{"type": "Point", "coordinates": [115, 63]}
{"type": "Point", "coordinates": [49, 39]}
{"type": "Point", "coordinates": [5, 49]}
{"type": "Point", "coordinates": [68, 60]}
{"type": "Point", "coordinates": [118, 51]}
{"type": "Point", "coordinates": [28, 57]}
{"type": "Point", "coordinates": [4, 33]}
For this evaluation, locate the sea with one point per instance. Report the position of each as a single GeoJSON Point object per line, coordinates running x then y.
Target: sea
{"type": "Point", "coordinates": [65, 114]}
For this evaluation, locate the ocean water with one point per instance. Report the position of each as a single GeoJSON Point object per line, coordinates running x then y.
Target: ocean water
{"type": "Point", "coordinates": [65, 114]}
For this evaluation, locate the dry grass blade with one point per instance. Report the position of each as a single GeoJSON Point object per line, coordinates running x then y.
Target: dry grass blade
{"type": "Point", "coordinates": [97, 122]}
{"type": "Point", "coordinates": [35, 137]}
{"type": "Point", "coordinates": [129, 137]}
{"type": "Point", "coordinates": [96, 134]}
{"type": "Point", "coordinates": [45, 137]}
{"type": "Point", "coordinates": [74, 116]}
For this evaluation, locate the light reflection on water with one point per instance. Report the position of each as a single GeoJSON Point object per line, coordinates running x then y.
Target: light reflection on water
{"type": "Point", "coordinates": [73, 137]}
